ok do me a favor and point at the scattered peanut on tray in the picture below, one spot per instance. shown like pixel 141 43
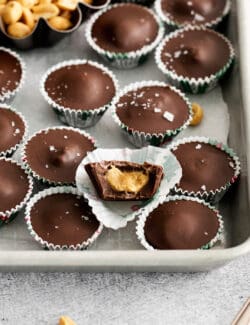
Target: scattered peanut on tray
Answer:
pixel 20 16
pixel 197 114
pixel 65 320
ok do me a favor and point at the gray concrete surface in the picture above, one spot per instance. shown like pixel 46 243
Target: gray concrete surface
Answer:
pixel 212 298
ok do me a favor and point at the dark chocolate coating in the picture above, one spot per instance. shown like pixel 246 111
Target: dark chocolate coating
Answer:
pixel 12 129
pixel 81 86
pixel 55 154
pixel 10 72
pixel 207 166
pixel 181 224
pixel 97 173
pixel 124 29
pixel 136 109
pixel 14 185
pixel 63 219
pixel 196 53
pixel 196 12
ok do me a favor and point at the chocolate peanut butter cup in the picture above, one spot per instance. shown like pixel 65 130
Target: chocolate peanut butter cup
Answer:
pixel 15 190
pixel 151 112
pixel 124 180
pixel 12 72
pixel 194 58
pixel 53 155
pixel 13 130
pixel 60 218
pixel 79 91
pixel 124 34
pixel 209 168
pixel 127 177
pixel 179 13
pixel 180 222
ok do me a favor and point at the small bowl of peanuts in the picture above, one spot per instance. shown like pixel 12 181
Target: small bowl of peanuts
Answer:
pixel 27 24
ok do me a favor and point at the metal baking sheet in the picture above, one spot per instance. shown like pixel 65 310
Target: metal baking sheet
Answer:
pixel 227 112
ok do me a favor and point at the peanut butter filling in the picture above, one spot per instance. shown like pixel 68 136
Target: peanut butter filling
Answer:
pixel 121 181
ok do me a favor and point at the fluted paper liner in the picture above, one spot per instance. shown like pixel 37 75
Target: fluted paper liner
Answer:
pixel 77 117
pixel 115 215
pixel 139 138
pixel 125 60
pixel 41 195
pixel 147 210
pixel 193 85
pixel 216 194
pixel 8 215
pixel 34 173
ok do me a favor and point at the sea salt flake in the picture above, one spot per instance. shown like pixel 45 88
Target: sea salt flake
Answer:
pixel 65 137
pixel 168 116
pixel 13 123
pixel 206 233
pixel 177 54
pixel 198 146
pixel 85 218
pixel 17 131
pixel 157 110
pixel 203 187
pixel 157 95
pixel 231 164
pixel 199 17
pixel 47 166
pixel 52 148
pixel 56 227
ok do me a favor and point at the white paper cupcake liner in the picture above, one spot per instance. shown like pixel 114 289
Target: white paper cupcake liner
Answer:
pixel 193 85
pixel 113 214
pixel 126 60
pixel 8 96
pixel 139 138
pixel 35 174
pixel 9 152
pixel 216 195
pixel 76 117
pixel 9 215
pixel 45 244
pixel 172 25
pixel 147 210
